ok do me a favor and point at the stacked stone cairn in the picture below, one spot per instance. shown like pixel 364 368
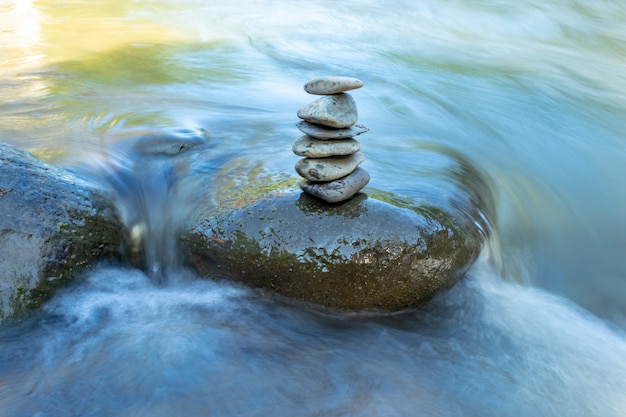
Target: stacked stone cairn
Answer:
pixel 331 154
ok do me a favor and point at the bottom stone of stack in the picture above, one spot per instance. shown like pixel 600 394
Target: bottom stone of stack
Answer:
pixel 338 190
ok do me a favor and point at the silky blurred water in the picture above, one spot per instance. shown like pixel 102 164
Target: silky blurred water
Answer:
pixel 531 93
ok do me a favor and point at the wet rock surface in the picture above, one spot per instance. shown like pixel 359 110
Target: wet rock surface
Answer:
pixel 376 251
pixel 364 253
pixel 53 225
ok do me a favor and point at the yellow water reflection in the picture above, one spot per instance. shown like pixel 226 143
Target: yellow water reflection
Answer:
pixel 60 31
pixel 48 46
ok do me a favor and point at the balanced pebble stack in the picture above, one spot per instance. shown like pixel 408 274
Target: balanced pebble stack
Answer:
pixel 331 154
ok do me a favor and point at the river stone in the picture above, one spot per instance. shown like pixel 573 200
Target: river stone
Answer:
pixel 327 133
pixel 54 224
pixel 378 250
pixel 330 168
pixel 332 85
pixel 363 254
pixel 337 111
pixel 338 190
pixel 165 145
pixel 315 148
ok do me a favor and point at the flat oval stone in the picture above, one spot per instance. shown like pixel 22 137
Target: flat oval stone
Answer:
pixel 338 190
pixel 328 169
pixel 315 148
pixel 338 110
pixel 332 85
pixel 327 133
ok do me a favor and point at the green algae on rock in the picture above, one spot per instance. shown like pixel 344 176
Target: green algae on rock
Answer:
pixel 53 226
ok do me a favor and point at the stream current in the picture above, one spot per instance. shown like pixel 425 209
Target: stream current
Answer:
pixel 532 93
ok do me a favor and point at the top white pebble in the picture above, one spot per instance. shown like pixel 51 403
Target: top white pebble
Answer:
pixel 332 85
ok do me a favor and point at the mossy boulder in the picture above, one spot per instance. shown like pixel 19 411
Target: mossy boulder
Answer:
pixel 372 252
pixel 363 254
pixel 53 225
pixel 381 250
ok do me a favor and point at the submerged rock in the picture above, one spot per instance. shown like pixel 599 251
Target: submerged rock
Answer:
pixel 165 145
pixel 53 225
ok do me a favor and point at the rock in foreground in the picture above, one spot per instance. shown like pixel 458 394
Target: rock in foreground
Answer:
pixel 361 254
pixel 53 225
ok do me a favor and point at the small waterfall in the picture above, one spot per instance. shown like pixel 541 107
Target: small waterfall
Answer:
pixel 155 196
pixel 149 207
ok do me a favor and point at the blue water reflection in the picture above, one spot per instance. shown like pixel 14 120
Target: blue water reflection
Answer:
pixel 531 93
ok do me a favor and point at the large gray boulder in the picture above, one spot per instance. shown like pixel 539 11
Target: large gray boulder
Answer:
pixel 362 254
pixel 375 251
pixel 53 225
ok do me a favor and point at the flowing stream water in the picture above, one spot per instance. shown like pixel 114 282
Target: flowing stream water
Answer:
pixel 533 93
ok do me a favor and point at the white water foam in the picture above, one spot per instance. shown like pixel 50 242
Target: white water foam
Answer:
pixel 121 345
